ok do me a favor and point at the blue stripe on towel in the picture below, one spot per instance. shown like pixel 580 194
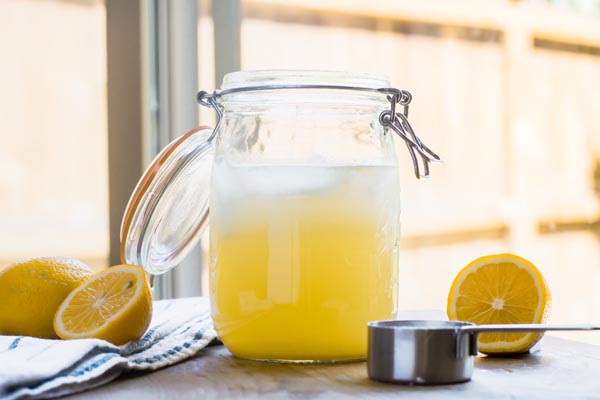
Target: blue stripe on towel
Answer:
pixel 185 330
pixel 77 372
pixel 15 343
pixel 149 339
pixel 197 337
pixel 88 368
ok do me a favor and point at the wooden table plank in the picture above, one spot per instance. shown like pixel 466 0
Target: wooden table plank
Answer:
pixel 561 370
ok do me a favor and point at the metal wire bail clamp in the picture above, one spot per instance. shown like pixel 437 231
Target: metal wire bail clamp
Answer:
pixel 398 122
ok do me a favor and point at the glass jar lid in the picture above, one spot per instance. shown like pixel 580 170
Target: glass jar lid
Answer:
pixel 168 209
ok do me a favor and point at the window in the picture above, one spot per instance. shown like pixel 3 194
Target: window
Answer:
pixel 53 180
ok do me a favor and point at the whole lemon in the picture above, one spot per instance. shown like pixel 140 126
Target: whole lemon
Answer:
pixel 32 290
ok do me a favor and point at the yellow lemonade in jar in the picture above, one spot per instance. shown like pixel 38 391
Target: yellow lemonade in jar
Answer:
pixel 302 257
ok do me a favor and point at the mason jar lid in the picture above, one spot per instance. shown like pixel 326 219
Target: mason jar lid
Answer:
pixel 168 209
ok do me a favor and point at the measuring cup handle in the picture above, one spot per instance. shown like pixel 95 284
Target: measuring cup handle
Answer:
pixel 471 343
pixel 472 331
pixel 525 328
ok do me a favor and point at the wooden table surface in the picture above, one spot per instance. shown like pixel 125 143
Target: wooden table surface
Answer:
pixel 562 369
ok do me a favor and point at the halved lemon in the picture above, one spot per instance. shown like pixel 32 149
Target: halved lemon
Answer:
pixel 501 289
pixel 114 305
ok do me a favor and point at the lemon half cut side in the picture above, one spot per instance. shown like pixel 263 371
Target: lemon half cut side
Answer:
pixel 114 305
pixel 501 289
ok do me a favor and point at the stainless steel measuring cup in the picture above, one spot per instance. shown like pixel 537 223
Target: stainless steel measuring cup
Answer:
pixel 426 352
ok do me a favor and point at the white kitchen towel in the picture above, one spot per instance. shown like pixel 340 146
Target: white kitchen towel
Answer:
pixel 32 368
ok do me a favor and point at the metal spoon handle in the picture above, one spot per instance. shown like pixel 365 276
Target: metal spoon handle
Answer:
pixel 526 328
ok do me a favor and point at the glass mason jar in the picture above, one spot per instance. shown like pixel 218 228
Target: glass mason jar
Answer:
pixel 304 210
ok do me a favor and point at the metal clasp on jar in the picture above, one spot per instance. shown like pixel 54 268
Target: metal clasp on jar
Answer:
pixel 398 122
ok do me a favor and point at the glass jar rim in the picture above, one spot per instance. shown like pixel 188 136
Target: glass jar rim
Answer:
pixel 242 79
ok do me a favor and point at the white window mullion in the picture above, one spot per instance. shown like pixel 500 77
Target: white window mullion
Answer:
pixel 176 60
